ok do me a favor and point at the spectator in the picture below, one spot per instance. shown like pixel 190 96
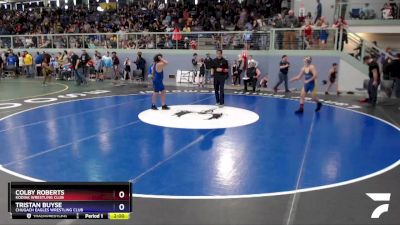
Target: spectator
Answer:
pixel 55 67
pixel 127 69
pixel 341 24
pixel 80 69
pixel 367 12
pixel 74 60
pixel 85 58
pixel 235 73
pixel 141 64
pixel 11 62
pixel 394 71
pixel 208 61
pixel 278 23
pixel 107 64
pixel 252 74
pixel 373 51
pixel 64 59
pixel 318 11
pixel 195 66
pixel 98 66
pixel 202 68
pixel 386 68
pixel 359 49
pixel 38 62
pixel 28 64
pixel 176 35
pixel 115 63
pixel 289 36
pixel 374 79
pixel 284 5
pixel 20 63
pixel 387 11
pixel 308 34
pixel 324 33
pixel 309 18
pixel 395 9
pixel 1 66
pixel 186 29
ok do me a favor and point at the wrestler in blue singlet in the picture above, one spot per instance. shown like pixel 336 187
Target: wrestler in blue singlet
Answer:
pixel 158 80
pixel 310 86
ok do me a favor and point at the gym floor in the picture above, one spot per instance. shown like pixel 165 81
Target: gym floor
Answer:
pixel 257 164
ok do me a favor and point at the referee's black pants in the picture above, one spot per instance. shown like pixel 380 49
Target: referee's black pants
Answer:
pixel 219 82
pixel 372 92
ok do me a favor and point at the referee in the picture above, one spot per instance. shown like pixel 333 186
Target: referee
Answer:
pixel 220 72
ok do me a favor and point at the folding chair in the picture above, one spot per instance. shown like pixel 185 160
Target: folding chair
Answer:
pixel 10 71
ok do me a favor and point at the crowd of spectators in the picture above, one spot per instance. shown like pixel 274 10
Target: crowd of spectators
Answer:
pixel 315 29
pixel 206 16
pixel 370 10
pixel 175 18
pixel 72 65
pixel 229 15
pixel 112 28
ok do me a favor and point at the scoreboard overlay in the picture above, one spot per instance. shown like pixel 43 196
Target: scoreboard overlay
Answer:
pixel 69 200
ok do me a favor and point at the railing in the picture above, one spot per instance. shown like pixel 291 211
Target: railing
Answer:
pixel 359 48
pixel 274 39
pixel 357 10
pixel 144 40
pixel 298 39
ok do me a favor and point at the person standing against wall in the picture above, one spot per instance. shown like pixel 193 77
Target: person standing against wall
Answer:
pixel 195 66
pixel 107 64
pixel 74 58
pixel 38 62
pixel 208 63
pixel 28 63
pixel 140 64
pixel 115 61
pixel 80 70
pixel 85 58
pixel 235 73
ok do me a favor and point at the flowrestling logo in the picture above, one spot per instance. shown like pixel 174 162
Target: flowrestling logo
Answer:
pixel 209 112
pixel 379 197
pixel 199 117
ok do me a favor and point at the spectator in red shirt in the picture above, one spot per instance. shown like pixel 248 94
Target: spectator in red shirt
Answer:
pixel 308 33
